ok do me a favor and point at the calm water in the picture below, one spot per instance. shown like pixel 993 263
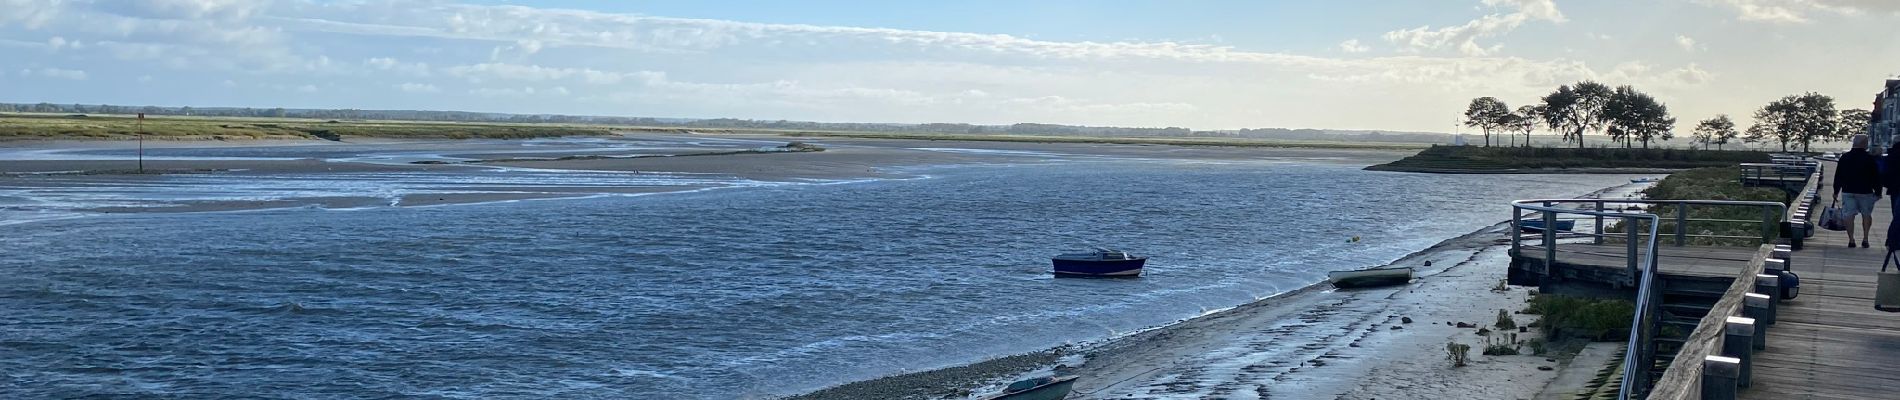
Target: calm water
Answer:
pixel 726 293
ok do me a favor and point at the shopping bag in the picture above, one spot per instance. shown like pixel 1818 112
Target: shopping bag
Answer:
pixel 1831 218
pixel 1887 291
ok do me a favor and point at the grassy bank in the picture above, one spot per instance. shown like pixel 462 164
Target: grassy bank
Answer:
pixel 1711 184
pixel 125 127
pixel 1171 141
pixel 1472 159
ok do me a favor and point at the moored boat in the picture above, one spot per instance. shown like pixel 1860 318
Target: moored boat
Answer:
pixel 1533 225
pixel 1646 179
pixel 1101 262
pixel 1046 388
pixel 1370 277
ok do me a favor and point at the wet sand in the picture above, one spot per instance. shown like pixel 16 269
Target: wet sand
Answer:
pixel 1312 343
pixel 45 165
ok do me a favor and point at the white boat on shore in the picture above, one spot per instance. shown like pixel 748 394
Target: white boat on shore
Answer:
pixel 1370 277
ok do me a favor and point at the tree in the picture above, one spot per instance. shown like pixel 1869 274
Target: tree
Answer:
pixel 1802 119
pixel 1854 122
pixel 1717 131
pixel 1525 121
pixel 1775 121
pixel 1817 119
pixel 1487 113
pixel 1633 116
pixel 1576 110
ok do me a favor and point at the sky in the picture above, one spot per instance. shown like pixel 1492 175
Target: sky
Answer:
pixel 1408 65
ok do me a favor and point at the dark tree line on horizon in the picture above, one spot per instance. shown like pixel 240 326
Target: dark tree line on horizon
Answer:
pixel 729 123
pixel 1629 116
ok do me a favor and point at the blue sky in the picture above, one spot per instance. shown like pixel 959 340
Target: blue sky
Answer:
pixel 1349 64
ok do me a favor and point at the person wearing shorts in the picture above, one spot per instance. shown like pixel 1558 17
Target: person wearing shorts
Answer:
pixel 1857 186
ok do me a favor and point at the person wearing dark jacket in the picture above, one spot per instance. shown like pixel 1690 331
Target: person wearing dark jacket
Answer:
pixel 1890 178
pixel 1857 185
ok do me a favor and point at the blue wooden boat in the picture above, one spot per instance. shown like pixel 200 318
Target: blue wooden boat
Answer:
pixel 1534 225
pixel 1101 262
pixel 1047 388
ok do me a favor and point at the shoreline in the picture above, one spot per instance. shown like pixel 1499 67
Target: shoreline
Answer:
pixel 1113 366
pixel 1528 171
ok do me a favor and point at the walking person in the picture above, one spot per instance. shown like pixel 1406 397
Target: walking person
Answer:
pixel 1857 185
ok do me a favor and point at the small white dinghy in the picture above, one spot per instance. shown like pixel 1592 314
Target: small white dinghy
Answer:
pixel 1370 277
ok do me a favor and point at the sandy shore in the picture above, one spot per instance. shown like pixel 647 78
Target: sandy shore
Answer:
pixel 1311 343
pixel 34 174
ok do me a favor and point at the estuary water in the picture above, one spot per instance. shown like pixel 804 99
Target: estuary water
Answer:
pixel 740 292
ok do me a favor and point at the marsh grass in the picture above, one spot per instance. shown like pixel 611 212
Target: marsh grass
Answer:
pixel 126 127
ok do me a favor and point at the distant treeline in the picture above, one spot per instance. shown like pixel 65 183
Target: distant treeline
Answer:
pixel 1474 159
pixel 731 123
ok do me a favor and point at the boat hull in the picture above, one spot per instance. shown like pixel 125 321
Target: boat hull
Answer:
pixel 1055 390
pixel 1103 268
pixel 1370 277
pixel 1531 225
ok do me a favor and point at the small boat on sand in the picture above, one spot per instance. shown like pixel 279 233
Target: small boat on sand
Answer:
pixel 1370 277
pixel 1646 179
pixel 1533 225
pixel 1101 262
pixel 1046 388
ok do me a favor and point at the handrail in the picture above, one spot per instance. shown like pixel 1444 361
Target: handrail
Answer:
pixel 1638 325
pixel 1681 380
pixel 1635 353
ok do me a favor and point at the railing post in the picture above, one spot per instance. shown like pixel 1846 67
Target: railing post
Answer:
pixel 1598 239
pixel 1517 229
pixel 1755 306
pixel 1738 341
pixel 1767 225
pixel 1786 254
pixel 1682 224
pixel 1550 241
pixel 1718 377
pixel 1769 285
pixel 1630 232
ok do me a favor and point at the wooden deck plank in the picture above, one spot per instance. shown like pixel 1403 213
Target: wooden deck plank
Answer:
pixel 1829 343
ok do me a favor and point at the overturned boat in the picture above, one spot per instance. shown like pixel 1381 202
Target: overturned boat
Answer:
pixel 1045 388
pixel 1370 277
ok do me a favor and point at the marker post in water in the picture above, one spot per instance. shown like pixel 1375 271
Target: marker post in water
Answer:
pixel 141 135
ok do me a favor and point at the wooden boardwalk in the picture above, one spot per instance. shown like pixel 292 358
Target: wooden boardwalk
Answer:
pixel 1703 261
pixel 1829 342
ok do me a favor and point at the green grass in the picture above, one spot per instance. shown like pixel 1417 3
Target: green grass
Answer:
pixel 1171 141
pixel 1722 183
pixel 124 127
pixel 1505 159
pixel 1582 317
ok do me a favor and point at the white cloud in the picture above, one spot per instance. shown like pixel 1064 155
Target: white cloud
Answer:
pixel 1353 46
pixel 391 64
pixel 1464 38
pixel 1687 43
pixel 480 72
pixel 413 87
pixel 56 73
pixel 1801 11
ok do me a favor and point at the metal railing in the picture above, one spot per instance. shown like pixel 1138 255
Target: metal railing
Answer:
pixel 1773 214
pixel 1779 173
pixel 1638 357
pixel 1638 344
